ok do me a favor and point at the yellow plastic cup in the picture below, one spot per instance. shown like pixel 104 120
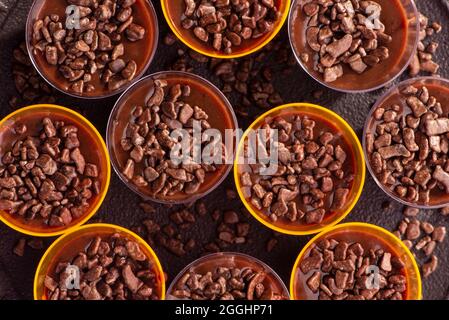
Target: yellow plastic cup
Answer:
pixel 359 171
pixel 203 48
pixel 378 234
pixel 50 110
pixel 51 256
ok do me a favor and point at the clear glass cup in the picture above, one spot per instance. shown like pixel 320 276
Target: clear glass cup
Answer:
pixel 51 74
pixel 231 260
pixel 374 236
pixel 369 127
pixel 173 11
pixel 123 108
pixel 76 240
pixel 374 78
pixel 359 168
pixel 7 125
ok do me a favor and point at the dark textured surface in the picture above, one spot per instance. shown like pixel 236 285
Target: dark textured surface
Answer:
pixel 121 206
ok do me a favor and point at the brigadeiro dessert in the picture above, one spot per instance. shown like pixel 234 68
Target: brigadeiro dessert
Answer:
pixel 406 142
pixel 337 270
pixel 353 45
pixel 227 276
pixel 54 170
pixel 317 175
pixel 99 262
pixel 225 28
pixel 92 48
pixel 355 261
pixel 141 136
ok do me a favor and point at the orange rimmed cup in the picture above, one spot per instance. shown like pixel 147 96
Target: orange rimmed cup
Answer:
pixel 91 142
pixel 372 236
pixel 174 9
pixel 341 127
pixel 79 239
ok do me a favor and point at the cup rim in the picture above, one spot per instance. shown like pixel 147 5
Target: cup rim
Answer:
pixel 227 254
pixel 28 31
pixel 179 35
pixel 112 227
pixel 104 152
pixel 357 150
pixel 377 104
pixel 110 143
pixel 352 91
pixel 355 225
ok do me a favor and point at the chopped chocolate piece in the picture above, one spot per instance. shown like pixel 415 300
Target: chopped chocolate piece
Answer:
pixel 314 281
pixel 439 234
pixel 429 267
pixel 413 232
pixel 410 212
pixel 19 248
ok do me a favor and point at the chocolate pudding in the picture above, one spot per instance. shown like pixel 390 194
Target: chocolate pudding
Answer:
pixel 140 141
pixel 228 276
pixel 113 267
pixel 53 171
pixel 314 179
pixel 407 143
pixel 225 28
pixel 108 49
pixel 352 45
pixel 348 265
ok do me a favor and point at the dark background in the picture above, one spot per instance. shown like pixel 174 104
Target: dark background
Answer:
pixel 121 206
